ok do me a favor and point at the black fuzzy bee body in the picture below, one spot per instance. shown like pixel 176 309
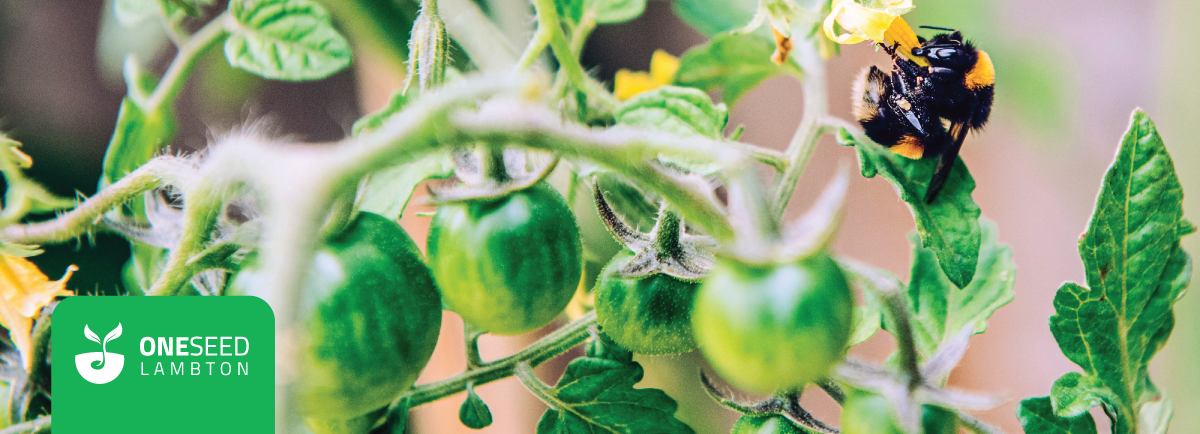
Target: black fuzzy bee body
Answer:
pixel 926 111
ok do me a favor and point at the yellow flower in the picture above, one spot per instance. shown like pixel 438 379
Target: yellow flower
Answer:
pixel 879 22
pixel 24 291
pixel 662 72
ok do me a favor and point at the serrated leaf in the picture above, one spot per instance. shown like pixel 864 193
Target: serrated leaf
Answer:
pixel 617 11
pixel 941 310
pixel 950 225
pixel 1074 394
pixel 285 40
pixel 1136 270
pixel 711 17
pixel 1037 417
pixel 597 396
pixel 736 62
pixel 388 191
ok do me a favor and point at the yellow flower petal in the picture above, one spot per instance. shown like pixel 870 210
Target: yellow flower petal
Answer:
pixel 629 83
pixel 862 23
pixel 663 67
pixel 24 291
pixel 899 32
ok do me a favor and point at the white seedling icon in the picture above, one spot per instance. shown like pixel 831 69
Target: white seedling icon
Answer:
pixel 100 367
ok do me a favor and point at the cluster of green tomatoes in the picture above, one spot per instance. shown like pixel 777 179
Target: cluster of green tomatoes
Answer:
pixel 510 265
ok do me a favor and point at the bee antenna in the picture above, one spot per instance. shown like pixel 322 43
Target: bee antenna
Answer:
pixel 939 28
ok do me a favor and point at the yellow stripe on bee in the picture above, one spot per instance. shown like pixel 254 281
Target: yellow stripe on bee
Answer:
pixel 983 74
pixel 909 147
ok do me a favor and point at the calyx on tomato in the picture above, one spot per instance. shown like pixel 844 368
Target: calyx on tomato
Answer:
pixel 647 315
pixel 507 265
pixel 371 319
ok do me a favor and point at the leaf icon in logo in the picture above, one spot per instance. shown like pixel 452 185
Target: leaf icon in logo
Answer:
pixel 116 333
pixel 90 334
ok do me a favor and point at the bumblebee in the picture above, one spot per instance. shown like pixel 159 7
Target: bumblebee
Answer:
pixel 935 94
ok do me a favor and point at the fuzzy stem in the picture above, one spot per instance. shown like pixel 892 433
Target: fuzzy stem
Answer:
pixel 668 231
pixel 804 141
pixel 171 85
pixel 202 205
pixel 544 349
pixel 155 173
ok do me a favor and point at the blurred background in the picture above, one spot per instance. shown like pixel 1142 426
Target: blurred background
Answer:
pixel 1068 75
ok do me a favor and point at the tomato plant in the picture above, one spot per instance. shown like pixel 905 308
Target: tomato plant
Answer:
pixel 512 143
pixel 371 272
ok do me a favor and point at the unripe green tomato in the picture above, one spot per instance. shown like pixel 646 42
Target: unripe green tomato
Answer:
pixel 357 425
pixel 869 413
pixel 508 265
pixel 371 318
pixel 774 424
pixel 775 326
pixel 651 315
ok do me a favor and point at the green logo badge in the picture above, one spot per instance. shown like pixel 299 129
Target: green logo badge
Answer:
pixel 165 364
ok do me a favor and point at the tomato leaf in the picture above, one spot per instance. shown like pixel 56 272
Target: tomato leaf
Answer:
pixel 940 310
pixel 736 62
pixel 474 413
pixel 1136 270
pixel 680 110
pixel 618 11
pixel 950 225
pixel 711 17
pixel 597 395
pixel 388 191
pixel 285 40
pixel 1037 417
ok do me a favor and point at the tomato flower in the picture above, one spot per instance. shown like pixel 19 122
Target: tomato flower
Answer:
pixel 24 291
pixel 662 72
pixel 874 20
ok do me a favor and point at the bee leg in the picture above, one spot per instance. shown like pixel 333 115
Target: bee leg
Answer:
pixel 958 133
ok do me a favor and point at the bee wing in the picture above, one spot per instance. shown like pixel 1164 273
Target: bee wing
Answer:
pixel 958 133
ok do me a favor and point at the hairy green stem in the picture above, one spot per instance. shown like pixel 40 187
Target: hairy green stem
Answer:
pixel 816 109
pixel 895 303
pixel 203 205
pixel 537 44
pixel 544 349
pixel 171 85
pixel 547 19
pixel 165 170
pixel 28 427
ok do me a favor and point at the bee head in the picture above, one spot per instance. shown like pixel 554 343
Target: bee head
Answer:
pixel 948 50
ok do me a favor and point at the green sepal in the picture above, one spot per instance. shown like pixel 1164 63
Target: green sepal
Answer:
pixel 290 40
pixel 139 135
pixel 950 225
pixel 736 62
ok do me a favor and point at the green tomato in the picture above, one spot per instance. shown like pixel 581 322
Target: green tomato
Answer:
pixel 869 413
pixel 651 315
pixel 508 265
pixel 773 424
pixel 371 319
pixel 776 326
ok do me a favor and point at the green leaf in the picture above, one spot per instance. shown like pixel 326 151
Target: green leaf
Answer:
pixel 285 40
pixel 138 137
pixel 680 110
pixel 736 62
pixel 617 11
pixel 1136 270
pixel 474 413
pixel 941 310
pixel 597 395
pixel 572 10
pixel 950 225
pixel 388 191
pixel 374 120
pixel 711 17
pixel 1074 394
pixel 867 320
pixel 1037 417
